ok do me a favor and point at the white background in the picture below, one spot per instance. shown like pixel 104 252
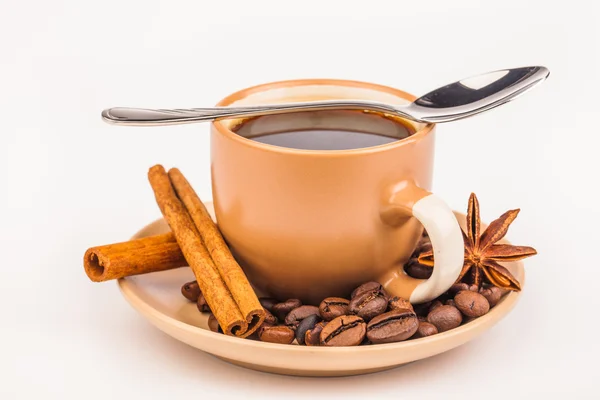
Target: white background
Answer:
pixel 68 181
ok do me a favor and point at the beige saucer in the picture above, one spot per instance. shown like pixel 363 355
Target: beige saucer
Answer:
pixel 158 298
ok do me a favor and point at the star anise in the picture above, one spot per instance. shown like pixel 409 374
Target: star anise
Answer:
pixel 482 254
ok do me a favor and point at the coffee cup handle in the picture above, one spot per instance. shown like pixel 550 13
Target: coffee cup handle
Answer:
pixel 403 201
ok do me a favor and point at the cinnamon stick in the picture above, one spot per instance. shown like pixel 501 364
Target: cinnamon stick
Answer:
pixel 211 284
pixel 140 256
pixel 228 268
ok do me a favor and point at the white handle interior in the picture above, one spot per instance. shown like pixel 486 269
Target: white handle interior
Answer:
pixel 448 247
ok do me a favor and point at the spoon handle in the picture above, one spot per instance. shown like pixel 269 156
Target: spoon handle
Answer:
pixel 149 117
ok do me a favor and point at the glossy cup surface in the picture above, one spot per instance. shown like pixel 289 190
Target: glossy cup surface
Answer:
pixel 306 224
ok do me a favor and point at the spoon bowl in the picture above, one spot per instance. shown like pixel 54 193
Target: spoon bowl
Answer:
pixel 476 94
pixel 458 100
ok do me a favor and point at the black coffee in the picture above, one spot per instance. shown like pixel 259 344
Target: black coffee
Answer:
pixel 325 130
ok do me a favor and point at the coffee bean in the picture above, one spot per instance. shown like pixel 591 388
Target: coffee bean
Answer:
pixel 425 329
pixel 213 324
pixel 262 327
pixel 472 304
pixel 299 313
pixel 269 318
pixel 445 318
pixel 457 287
pixel 493 294
pixel 422 309
pixel 393 326
pixel 277 334
pixel 333 307
pixel 435 305
pixel 312 337
pixel 191 291
pixel 280 310
pixel 397 303
pixel 369 304
pixel 417 270
pixel 367 287
pixel 306 325
pixel 267 302
pixel 202 304
pixel 346 330
pixel 423 246
pixel 444 297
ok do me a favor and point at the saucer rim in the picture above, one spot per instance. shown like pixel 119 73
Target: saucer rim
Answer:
pixel 468 330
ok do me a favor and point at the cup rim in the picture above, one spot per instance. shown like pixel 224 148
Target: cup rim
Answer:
pixel 243 93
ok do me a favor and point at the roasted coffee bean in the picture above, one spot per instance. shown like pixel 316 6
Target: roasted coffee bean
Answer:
pixel 445 318
pixel 191 291
pixel 422 309
pixel 367 287
pixel 425 329
pixel 298 314
pixel 444 297
pixel 397 303
pixel 346 330
pixel 268 302
pixel 423 246
pixel 457 287
pixel 493 294
pixel 202 304
pixel 262 327
pixel 280 310
pixel 313 337
pixel 472 304
pixel 270 318
pixel 417 270
pixel 306 325
pixel 277 334
pixel 393 326
pixel 333 307
pixel 435 305
pixel 369 304
pixel 213 324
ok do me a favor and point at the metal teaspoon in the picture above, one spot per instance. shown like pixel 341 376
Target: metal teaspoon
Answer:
pixel 457 100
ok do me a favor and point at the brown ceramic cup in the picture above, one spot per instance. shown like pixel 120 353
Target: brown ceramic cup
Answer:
pixel 312 224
